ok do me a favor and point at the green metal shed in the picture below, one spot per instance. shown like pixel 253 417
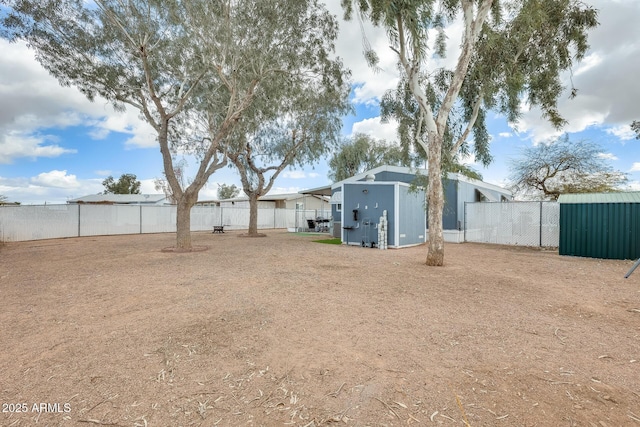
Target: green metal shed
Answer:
pixel 600 225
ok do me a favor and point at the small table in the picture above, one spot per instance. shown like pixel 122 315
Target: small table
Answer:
pixel 218 228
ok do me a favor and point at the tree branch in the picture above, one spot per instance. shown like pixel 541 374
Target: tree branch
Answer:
pixel 470 124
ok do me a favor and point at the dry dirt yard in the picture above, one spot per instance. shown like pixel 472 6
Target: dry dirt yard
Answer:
pixel 278 331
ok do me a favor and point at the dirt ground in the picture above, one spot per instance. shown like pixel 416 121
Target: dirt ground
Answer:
pixel 281 331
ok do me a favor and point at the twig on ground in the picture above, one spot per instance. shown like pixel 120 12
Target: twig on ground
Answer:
pixel 337 392
pixel 558 336
pixel 553 382
pixel 388 407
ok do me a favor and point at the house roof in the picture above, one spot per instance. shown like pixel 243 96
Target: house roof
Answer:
pixel 121 198
pixel 323 191
pixel 622 197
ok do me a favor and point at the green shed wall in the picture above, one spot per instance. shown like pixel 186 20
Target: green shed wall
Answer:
pixel 600 230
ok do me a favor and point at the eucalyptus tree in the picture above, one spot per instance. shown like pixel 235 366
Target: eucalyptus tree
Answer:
pixel 511 51
pixel 298 120
pixel 192 68
pixel 635 127
pixel 227 191
pixel 128 183
pixel 362 152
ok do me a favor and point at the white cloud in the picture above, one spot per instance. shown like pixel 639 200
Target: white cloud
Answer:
pixel 607 156
pixel 633 186
pixel 587 63
pixel 142 135
pixel 505 134
pixel 15 145
pixel 607 86
pixel 375 128
pixel 635 167
pixel 147 186
pixel 56 186
pixel 33 102
pixel 623 132
pixel 285 190
pixel 56 178
pixel 371 84
pixel 468 160
pixel 585 114
pixel 294 174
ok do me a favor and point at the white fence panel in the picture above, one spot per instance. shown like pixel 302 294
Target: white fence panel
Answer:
pixel 514 223
pixel 203 218
pixel 235 218
pixel 266 218
pixel 285 218
pixel 159 219
pixel 19 223
pixel 100 220
pixel 550 221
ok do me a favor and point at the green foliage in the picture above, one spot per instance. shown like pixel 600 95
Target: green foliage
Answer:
pixel 227 191
pixel 547 170
pixel 127 184
pixel 635 126
pixel 362 153
pixel 523 55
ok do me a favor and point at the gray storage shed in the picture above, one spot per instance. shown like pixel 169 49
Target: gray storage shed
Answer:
pixel 387 188
pixel 600 225
pixel 364 203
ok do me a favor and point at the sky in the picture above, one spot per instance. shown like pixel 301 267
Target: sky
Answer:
pixel 55 145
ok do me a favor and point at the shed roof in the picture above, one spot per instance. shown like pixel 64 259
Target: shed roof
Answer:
pixel 622 197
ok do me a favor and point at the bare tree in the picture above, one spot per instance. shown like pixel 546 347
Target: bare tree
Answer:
pixel 546 171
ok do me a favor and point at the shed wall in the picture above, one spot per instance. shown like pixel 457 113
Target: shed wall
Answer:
pixel 452 209
pixel 600 230
pixel 369 204
pixel 412 221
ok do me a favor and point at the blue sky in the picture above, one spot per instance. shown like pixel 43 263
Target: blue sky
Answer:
pixel 56 145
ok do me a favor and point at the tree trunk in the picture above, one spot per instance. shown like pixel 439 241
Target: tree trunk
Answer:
pixel 253 215
pixel 435 254
pixel 183 224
